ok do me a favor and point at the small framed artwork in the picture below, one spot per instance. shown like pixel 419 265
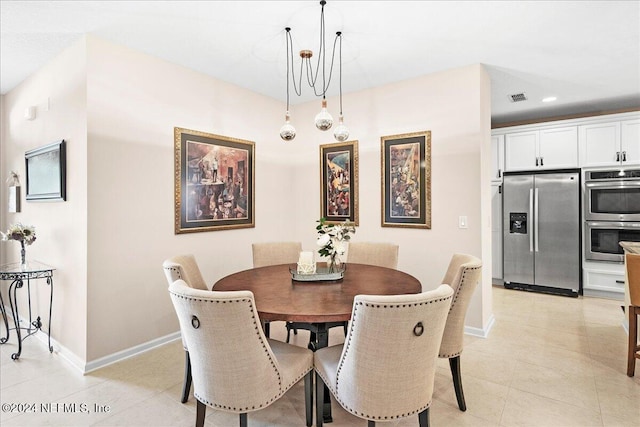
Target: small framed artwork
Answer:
pixel 406 180
pixel 339 182
pixel 46 172
pixel 214 182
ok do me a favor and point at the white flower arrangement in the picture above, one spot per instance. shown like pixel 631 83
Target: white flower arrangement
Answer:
pixel 333 238
pixel 25 234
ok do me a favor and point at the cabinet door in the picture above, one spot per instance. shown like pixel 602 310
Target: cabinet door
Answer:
pixel 630 141
pixel 496 231
pixel 497 157
pixel 521 150
pixel 558 148
pixel 599 144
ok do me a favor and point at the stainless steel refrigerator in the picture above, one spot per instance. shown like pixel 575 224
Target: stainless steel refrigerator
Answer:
pixel 541 231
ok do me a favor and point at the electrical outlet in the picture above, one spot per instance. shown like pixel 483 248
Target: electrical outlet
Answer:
pixel 462 221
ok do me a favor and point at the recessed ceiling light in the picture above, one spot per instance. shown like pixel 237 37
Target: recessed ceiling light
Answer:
pixel 549 99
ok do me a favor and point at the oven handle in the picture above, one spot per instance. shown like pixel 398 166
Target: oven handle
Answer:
pixel 537 223
pixel 531 213
pixel 613 184
pixel 615 225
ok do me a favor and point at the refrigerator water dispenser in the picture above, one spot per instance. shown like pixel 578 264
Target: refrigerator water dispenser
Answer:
pixel 518 223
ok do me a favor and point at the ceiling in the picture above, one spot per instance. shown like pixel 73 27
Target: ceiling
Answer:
pixel 585 53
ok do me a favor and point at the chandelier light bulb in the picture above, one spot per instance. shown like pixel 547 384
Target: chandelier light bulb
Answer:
pixel 341 132
pixel 323 120
pixel 287 131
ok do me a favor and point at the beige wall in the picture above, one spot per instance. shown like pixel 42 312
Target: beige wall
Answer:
pixel 132 103
pixel 61 227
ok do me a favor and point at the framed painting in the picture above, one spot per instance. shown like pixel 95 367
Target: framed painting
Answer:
pixel 406 180
pixel 339 182
pixel 214 182
pixel 46 172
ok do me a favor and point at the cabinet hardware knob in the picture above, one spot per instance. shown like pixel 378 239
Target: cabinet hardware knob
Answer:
pixel 617 156
pixel 624 156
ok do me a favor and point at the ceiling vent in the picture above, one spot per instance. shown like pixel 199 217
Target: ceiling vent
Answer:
pixel 517 97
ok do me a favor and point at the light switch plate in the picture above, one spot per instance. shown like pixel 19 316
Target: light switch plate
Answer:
pixel 462 221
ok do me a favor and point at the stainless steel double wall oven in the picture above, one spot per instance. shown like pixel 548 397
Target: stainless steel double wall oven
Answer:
pixel 611 212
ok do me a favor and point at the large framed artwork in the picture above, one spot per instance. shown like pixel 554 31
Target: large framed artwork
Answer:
pixel 406 180
pixel 339 182
pixel 46 172
pixel 214 182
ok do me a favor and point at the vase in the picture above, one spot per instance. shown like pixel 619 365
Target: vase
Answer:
pixel 334 263
pixel 23 254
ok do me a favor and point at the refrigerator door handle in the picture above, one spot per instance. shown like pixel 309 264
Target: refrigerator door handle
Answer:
pixel 535 219
pixel 530 212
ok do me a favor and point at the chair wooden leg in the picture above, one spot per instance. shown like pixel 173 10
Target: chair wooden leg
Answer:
pixel 267 329
pixel 243 420
pixel 423 418
pixel 308 397
pixel 454 364
pixel 201 410
pixel 371 423
pixel 319 400
pixel 186 386
pixel 633 341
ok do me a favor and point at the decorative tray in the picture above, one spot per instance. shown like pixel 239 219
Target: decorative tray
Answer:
pixel 322 274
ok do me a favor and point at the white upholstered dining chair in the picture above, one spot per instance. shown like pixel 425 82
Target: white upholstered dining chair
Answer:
pixel 373 253
pixel 186 268
pixel 275 253
pixel 236 368
pixel 369 253
pixel 463 274
pixel 386 368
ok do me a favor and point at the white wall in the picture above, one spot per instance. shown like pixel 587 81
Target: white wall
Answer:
pixel 133 101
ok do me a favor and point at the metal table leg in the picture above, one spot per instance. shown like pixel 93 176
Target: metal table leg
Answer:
pixel 322 341
pixel 4 318
pixel 14 311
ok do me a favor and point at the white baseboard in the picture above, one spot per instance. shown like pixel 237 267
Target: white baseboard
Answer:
pixel 84 367
pixel 130 352
pixel 480 332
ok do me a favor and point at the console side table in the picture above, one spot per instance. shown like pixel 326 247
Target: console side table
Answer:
pixel 18 275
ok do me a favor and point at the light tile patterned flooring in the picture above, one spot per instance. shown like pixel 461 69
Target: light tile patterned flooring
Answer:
pixel 549 361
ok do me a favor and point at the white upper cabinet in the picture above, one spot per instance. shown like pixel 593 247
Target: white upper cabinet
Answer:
pixel 497 157
pixel 630 141
pixel 610 144
pixel 553 148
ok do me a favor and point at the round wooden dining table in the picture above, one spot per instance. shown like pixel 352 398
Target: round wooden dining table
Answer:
pixel 279 297
pixel 322 304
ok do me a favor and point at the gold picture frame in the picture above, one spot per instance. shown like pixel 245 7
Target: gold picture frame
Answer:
pixel 214 182
pixel 406 180
pixel 339 182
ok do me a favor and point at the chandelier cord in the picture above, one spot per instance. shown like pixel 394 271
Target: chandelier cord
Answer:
pixel 297 89
pixel 338 35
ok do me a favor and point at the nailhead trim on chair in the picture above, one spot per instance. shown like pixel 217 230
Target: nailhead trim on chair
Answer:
pixel 273 364
pixel 346 350
pixel 455 298
pixel 176 270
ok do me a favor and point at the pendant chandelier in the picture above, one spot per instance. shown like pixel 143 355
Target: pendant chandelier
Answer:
pixel 323 119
